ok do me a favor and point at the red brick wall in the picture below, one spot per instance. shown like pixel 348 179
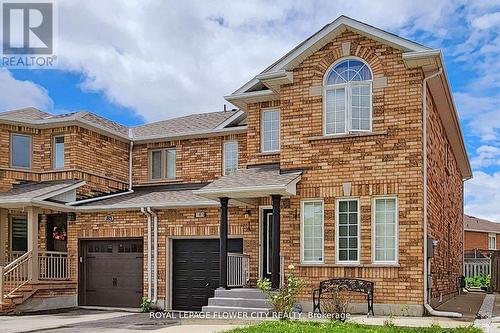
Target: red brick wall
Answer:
pixel 444 207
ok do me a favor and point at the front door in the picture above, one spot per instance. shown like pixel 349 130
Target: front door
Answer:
pixel 57 233
pixel 267 236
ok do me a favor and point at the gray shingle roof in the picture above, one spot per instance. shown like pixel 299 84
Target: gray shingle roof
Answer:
pixel 188 125
pixel 474 223
pixel 159 197
pixel 191 124
pixel 25 192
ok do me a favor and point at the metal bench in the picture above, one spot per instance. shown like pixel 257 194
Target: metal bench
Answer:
pixel 343 284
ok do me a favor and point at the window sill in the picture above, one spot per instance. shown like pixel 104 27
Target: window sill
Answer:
pixel 349 265
pixel 270 153
pixel 346 136
pixel 164 181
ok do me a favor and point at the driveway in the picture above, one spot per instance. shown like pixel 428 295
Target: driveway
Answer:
pixel 91 321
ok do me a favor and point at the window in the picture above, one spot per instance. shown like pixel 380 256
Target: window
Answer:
pixel 348 98
pixel 162 164
pixel 270 130
pixel 385 225
pixel 230 157
pixel 58 152
pixel 20 151
pixel 312 231
pixel 19 233
pixel 347 242
pixel 492 241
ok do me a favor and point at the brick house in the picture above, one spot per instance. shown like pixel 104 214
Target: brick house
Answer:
pixel 345 159
pixel 480 234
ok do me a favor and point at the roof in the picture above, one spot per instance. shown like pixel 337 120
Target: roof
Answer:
pixel 324 36
pixel 472 223
pixel 252 182
pixel 168 196
pixel 29 192
pixel 196 124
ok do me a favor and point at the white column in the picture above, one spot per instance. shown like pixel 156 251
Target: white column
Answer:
pixel 33 242
pixel 4 230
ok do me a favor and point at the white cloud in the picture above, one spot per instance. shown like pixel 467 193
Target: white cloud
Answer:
pixel 481 115
pixel 483 195
pixel 165 58
pixel 16 94
pixel 486 156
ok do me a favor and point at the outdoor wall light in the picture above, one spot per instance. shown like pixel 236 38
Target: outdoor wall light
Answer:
pixel 248 213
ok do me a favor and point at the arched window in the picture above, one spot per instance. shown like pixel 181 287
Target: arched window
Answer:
pixel 347 98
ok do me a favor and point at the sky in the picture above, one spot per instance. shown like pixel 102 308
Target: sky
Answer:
pixel 142 61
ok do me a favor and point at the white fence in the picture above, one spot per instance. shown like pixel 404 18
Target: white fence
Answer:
pixel 238 269
pixel 53 265
pixel 475 267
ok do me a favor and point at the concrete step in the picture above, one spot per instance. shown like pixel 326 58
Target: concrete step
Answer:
pixel 234 309
pixel 240 293
pixel 239 302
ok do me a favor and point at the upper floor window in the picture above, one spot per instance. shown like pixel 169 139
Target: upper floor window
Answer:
pixel 492 241
pixel 58 152
pixel 20 151
pixel 162 164
pixel 230 157
pixel 348 98
pixel 270 129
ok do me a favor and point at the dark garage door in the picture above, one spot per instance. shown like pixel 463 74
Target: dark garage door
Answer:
pixel 112 272
pixel 196 271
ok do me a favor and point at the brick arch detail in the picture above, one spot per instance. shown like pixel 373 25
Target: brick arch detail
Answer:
pixel 365 53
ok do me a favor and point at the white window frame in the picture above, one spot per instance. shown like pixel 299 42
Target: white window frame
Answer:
pixel 348 102
pixel 224 155
pixel 262 130
pixel 54 152
pixel 337 224
pixel 396 256
pixel 163 165
pixel 302 215
pixel 12 151
pixel 490 237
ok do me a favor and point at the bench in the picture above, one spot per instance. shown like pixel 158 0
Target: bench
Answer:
pixel 343 284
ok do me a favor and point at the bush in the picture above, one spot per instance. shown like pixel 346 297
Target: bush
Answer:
pixel 478 281
pixel 146 305
pixel 335 302
pixel 284 299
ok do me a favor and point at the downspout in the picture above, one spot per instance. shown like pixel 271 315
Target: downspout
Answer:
pixel 130 164
pixel 155 254
pixel 427 269
pixel 147 211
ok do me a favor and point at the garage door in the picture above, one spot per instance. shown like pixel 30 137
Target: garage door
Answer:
pixel 196 271
pixel 112 272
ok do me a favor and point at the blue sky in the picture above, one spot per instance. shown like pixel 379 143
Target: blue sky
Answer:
pixel 165 59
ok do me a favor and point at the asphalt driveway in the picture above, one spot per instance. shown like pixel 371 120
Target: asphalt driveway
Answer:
pixel 83 320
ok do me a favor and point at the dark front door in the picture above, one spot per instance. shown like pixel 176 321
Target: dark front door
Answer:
pixel 267 236
pixel 112 273
pixel 57 233
pixel 195 269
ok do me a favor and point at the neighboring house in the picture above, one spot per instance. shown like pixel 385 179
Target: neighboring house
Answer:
pixel 345 159
pixel 481 234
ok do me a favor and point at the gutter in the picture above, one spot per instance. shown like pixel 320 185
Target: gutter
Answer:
pixel 427 262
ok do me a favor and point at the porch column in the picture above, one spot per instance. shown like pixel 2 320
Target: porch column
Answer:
pixel 33 242
pixel 223 243
pixel 275 268
pixel 3 236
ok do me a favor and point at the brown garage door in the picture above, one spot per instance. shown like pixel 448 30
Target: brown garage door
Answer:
pixel 111 272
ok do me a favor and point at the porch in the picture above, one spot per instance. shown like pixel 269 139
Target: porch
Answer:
pixel 33 239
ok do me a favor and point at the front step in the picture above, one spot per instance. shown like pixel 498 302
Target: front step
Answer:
pixel 241 300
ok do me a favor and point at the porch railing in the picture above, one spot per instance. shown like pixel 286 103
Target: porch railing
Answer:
pixel 238 269
pixel 13 255
pixel 282 270
pixel 15 275
pixel 54 265
pixel 475 267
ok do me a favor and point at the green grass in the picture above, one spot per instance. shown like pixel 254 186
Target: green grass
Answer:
pixel 338 327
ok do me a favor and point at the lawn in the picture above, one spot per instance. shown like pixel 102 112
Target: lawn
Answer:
pixel 337 327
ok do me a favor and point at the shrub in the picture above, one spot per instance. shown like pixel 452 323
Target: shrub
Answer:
pixel 146 305
pixel 335 303
pixel 283 299
pixel 478 281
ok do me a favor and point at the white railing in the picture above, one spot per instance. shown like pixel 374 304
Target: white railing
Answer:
pixel 13 255
pixel 475 267
pixel 53 265
pixel 238 269
pixel 282 271
pixel 15 275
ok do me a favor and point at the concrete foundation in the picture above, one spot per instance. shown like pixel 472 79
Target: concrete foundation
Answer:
pixel 47 303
